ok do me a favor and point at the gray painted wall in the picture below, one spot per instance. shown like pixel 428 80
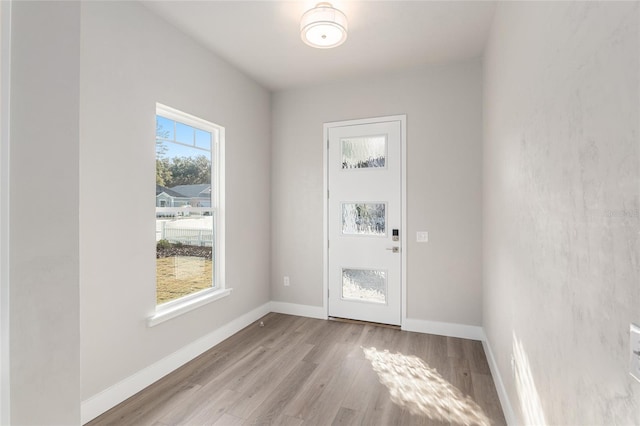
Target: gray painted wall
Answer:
pixel 561 174
pixel 444 119
pixel 129 60
pixel 5 86
pixel 43 203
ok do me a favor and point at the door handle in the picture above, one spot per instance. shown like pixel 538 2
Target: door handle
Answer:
pixel 394 249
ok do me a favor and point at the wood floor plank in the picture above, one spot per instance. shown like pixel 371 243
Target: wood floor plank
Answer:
pixel 344 417
pixel 380 338
pixel 361 390
pixel 323 409
pixel 487 398
pixel 201 369
pixel 234 370
pixel 357 343
pixel 284 420
pixel 474 353
pixel 263 386
pixel 296 371
pixel 212 408
pixel 228 420
pixel 173 411
pixel 287 333
pixel 316 384
pixel 276 402
pixel 459 375
pixel 454 347
pixel 280 352
pixel 352 334
pixel 417 345
pixel 324 340
pixel 407 418
pixel 436 355
pixel 377 409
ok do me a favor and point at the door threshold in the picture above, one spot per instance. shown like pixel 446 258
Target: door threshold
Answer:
pixel 375 324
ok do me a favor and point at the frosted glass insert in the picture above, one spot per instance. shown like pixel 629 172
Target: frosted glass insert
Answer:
pixel 364 152
pixel 363 219
pixel 366 285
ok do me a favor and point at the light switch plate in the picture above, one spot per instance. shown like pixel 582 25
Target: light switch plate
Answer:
pixel 422 236
pixel 634 353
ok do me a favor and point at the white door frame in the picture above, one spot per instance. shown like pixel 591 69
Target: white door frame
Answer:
pixel 325 211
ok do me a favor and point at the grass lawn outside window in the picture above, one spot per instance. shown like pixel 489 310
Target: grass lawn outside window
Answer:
pixel 182 270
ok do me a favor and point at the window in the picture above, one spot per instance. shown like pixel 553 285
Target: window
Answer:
pixel 189 214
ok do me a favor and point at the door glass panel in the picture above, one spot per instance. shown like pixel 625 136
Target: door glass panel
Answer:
pixel 366 285
pixel 364 152
pixel 363 219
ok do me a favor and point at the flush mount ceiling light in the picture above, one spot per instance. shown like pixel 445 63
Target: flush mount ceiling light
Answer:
pixel 323 26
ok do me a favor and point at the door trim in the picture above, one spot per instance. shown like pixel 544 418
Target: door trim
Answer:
pixel 402 118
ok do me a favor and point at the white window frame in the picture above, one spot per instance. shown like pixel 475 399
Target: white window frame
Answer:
pixel 174 308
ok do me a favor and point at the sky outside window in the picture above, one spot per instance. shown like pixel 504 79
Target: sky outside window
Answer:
pixel 191 142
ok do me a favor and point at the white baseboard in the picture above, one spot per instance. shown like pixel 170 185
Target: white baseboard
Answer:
pixel 110 397
pixel 462 331
pixel 299 310
pixel 507 409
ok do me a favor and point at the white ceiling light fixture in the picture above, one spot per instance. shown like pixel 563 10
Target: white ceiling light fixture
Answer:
pixel 323 26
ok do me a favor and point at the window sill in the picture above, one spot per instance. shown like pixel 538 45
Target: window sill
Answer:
pixel 174 310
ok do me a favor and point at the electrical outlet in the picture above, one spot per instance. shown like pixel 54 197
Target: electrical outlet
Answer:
pixel 286 281
pixel 634 353
pixel 422 236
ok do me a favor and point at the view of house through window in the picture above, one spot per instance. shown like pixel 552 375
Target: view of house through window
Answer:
pixel 186 205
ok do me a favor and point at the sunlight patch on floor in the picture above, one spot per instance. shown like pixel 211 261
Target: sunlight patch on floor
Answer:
pixel 422 390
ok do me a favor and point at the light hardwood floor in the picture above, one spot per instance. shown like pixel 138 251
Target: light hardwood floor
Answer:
pixel 302 371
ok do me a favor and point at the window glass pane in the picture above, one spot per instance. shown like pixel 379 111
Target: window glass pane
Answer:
pixel 364 152
pixel 164 128
pixel 183 266
pixel 189 155
pixel 363 219
pixel 184 133
pixel 185 232
pixel 366 285
pixel 203 139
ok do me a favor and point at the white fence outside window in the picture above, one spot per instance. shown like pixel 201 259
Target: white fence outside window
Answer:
pixel 186 225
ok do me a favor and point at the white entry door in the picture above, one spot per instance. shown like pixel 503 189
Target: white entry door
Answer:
pixel 365 220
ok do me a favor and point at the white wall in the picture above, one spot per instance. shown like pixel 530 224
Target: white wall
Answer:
pixel 444 119
pixel 131 59
pixel 43 203
pixel 5 71
pixel 561 207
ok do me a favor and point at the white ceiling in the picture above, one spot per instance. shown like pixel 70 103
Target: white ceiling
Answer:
pixel 262 38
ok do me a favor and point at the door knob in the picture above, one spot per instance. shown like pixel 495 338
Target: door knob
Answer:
pixel 394 249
